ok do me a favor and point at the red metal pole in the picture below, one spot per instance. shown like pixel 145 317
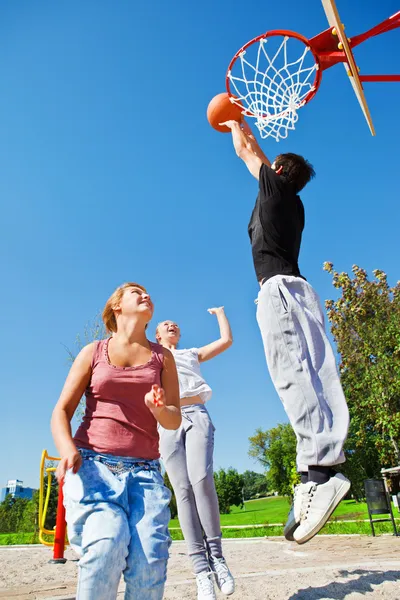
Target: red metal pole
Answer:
pixel 379 77
pixel 59 538
pixel 392 22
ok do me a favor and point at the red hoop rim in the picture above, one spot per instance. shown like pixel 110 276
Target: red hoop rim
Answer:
pixel 282 33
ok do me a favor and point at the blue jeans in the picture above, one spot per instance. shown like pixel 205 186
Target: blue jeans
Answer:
pixel 117 515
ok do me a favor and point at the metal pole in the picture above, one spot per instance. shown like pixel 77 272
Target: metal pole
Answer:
pixel 378 78
pixel 59 538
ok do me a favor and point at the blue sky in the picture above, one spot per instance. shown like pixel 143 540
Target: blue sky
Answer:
pixel 110 172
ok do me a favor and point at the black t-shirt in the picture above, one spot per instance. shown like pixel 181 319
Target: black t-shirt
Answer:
pixel 276 226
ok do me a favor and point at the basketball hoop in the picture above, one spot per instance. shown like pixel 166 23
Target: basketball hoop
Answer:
pixel 277 73
pixel 273 76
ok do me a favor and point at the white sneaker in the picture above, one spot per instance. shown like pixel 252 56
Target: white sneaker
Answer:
pixel 205 586
pixel 223 576
pixel 318 503
pixel 293 520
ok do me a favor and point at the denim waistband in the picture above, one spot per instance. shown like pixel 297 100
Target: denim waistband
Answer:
pixel 120 464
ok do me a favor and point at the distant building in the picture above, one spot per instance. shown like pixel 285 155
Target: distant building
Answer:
pixel 16 489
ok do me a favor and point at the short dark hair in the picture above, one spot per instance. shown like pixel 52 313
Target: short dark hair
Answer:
pixel 295 169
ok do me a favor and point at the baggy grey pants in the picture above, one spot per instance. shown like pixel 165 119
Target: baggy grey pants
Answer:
pixel 303 369
pixel 187 454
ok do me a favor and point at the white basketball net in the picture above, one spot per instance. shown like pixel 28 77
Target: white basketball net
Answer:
pixel 272 87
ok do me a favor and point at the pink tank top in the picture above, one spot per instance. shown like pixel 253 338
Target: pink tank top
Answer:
pixel 117 420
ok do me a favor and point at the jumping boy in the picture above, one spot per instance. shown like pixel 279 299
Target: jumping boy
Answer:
pixel 299 356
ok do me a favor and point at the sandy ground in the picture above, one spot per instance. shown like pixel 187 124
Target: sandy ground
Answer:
pixel 327 568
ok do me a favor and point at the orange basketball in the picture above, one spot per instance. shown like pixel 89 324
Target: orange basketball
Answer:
pixel 221 109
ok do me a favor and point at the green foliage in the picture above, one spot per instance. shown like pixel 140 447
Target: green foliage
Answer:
pixel 365 322
pixel 254 485
pixel 16 514
pixel 362 461
pixel 229 486
pixel 294 476
pixel 12 539
pixel 172 504
pixel 275 449
pixel 21 514
pixel 29 521
pixel 11 512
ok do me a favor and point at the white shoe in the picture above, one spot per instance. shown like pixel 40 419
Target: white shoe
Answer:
pixel 205 586
pixel 293 520
pixel 318 503
pixel 223 576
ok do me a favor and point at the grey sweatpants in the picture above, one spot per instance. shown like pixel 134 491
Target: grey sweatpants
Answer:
pixel 187 454
pixel 303 369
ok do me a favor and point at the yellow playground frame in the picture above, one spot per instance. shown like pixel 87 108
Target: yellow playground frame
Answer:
pixel 43 506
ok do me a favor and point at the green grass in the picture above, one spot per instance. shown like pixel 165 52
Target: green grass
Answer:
pixel 262 512
pixel 14 539
pixel 275 510
pixel 338 528
pixel 257 512
pixel 350 509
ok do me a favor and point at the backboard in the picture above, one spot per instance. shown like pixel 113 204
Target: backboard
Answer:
pixel 350 66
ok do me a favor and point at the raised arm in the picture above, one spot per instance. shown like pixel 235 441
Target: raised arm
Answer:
pixel 225 340
pixel 246 147
pixel 73 390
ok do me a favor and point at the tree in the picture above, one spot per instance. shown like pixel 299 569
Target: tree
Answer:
pixel 254 485
pixel 362 462
pixel 365 322
pixel 29 521
pixel 21 514
pixel 229 486
pixel 7 521
pixel 275 450
pixel 12 514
